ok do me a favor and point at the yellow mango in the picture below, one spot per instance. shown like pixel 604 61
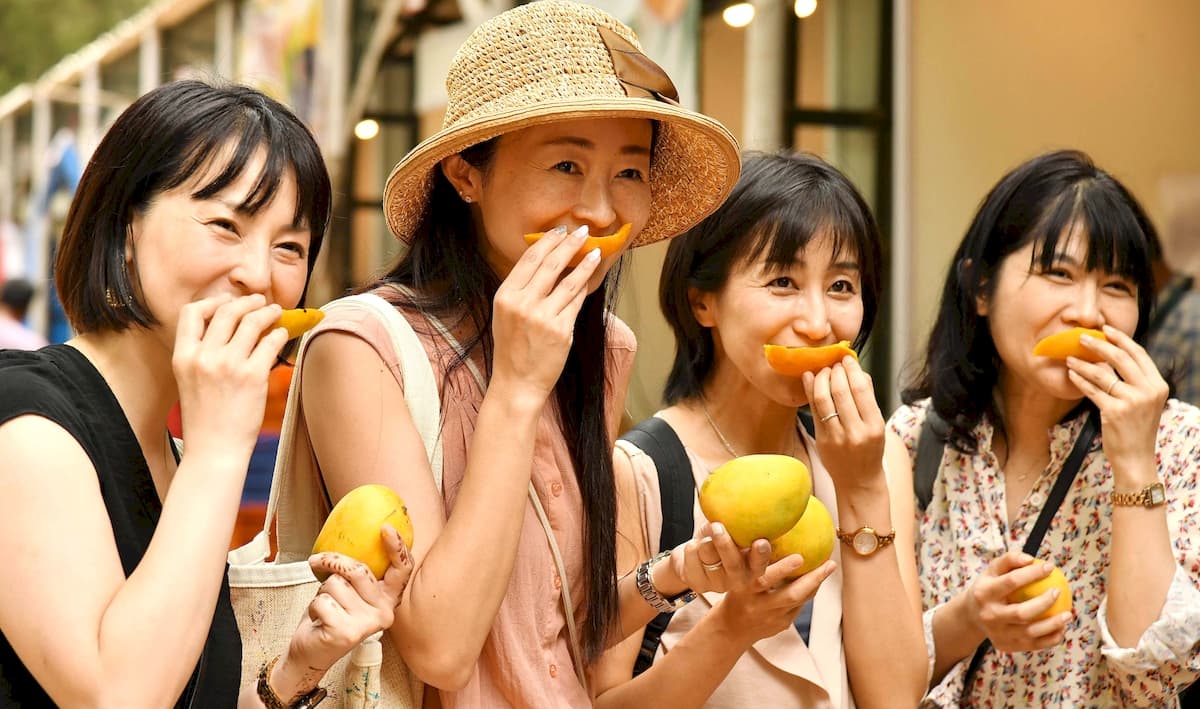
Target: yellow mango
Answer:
pixel 1065 344
pixel 756 496
pixel 795 361
pixel 812 537
pixel 608 245
pixel 299 321
pixel 354 524
pixel 1056 579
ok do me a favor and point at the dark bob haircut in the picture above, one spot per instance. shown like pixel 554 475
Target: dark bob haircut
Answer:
pixel 1042 201
pixel 165 138
pixel 780 204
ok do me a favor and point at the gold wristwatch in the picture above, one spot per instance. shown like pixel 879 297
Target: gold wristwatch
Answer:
pixel 1152 495
pixel 865 541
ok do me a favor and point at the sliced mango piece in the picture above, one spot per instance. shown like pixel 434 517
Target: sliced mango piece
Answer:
pixel 1065 344
pixel 795 361
pixel 608 245
pixel 299 321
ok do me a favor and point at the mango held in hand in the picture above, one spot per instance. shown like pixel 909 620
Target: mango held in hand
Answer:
pixel 813 538
pixel 299 321
pixel 795 361
pixel 354 525
pixel 1056 579
pixel 756 496
pixel 608 245
pixel 1065 344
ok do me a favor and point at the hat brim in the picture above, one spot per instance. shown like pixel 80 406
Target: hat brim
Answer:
pixel 694 167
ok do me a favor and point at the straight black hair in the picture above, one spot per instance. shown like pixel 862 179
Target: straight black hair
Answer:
pixel 162 140
pixel 449 278
pixel 1043 201
pixel 780 203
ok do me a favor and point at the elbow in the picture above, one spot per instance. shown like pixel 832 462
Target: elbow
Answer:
pixel 448 672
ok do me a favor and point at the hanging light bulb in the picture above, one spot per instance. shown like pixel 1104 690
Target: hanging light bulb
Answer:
pixel 804 8
pixel 738 15
pixel 366 129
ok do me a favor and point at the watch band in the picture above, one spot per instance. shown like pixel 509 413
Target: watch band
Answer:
pixel 1152 495
pixel 272 700
pixel 657 601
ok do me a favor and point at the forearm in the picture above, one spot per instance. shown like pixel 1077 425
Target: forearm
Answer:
pixel 634 610
pixel 688 674
pixel 873 597
pixel 955 637
pixel 1141 562
pixel 169 599
pixel 465 573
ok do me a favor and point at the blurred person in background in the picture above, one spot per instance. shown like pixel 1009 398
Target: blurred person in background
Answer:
pixel 15 295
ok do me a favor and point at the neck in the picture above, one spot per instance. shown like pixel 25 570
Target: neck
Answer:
pixel 1028 414
pixel 750 422
pixel 136 365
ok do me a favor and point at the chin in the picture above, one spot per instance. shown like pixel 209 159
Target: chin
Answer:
pixel 1056 385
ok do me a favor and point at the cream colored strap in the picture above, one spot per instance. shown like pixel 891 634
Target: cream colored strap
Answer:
pixel 564 587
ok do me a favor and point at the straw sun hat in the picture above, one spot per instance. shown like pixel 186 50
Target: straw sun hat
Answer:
pixel 553 60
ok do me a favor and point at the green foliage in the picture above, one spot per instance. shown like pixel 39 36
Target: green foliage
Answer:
pixel 38 33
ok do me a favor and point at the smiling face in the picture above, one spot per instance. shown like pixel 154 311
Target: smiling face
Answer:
pixel 186 248
pixel 815 300
pixel 593 173
pixel 1030 301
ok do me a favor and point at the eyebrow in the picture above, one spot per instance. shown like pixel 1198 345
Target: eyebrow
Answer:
pixel 589 145
pixel 838 266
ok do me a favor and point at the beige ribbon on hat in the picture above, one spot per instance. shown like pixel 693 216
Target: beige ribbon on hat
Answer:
pixel 638 74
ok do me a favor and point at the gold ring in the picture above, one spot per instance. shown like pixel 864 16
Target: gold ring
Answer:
pixel 830 416
pixel 711 567
pixel 1108 391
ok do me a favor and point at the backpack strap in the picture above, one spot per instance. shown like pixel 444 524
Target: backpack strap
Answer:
pixel 931 444
pixel 676 486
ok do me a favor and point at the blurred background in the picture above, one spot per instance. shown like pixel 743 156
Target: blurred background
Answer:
pixel 923 103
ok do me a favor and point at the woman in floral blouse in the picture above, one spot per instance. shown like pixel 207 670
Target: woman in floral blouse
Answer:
pixel 1057 244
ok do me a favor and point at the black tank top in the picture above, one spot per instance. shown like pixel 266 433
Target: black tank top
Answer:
pixel 60 384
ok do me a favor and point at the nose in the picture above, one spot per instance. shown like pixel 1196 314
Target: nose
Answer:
pixel 811 319
pixel 1084 309
pixel 595 205
pixel 252 272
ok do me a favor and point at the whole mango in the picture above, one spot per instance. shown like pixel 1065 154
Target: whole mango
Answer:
pixel 354 524
pixel 756 496
pixel 1056 579
pixel 813 538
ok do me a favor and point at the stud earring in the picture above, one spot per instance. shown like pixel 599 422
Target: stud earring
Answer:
pixel 466 198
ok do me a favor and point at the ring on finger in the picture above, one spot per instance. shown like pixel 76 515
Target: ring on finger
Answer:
pixel 828 417
pixel 1115 380
pixel 711 567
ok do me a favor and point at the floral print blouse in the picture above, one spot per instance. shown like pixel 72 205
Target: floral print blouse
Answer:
pixel 966 525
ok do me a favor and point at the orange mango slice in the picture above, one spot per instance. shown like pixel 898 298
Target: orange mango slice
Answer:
pixel 1065 344
pixel 299 321
pixel 608 245
pixel 795 361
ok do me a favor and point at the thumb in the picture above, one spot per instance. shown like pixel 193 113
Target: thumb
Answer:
pixel 400 564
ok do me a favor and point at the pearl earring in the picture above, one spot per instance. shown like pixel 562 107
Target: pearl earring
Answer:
pixel 466 198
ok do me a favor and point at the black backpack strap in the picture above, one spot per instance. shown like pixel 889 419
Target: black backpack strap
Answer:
pixel 806 420
pixel 931 444
pixel 676 487
pixel 1058 493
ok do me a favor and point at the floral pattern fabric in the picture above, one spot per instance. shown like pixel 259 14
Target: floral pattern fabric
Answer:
pixel 966 525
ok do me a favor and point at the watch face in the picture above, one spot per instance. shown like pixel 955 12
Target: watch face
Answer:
pixel 865 542
pixel 1157 495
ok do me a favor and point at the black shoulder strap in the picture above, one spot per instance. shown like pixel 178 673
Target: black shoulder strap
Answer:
pixel 1057 494
pixel 676 486
pixel 931 444
pixel 806 420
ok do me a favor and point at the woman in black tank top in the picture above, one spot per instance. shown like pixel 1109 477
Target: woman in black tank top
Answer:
pixel 199 216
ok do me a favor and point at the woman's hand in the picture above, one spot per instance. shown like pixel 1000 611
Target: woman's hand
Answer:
pixel 850 428
pixel 712 561
pixel 1014 627
pixel 534 311
pixel 350 606
pixel 224 350
pixel 1130 393
pixel 769 605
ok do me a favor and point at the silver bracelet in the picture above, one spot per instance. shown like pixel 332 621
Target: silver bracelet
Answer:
pixel 657 601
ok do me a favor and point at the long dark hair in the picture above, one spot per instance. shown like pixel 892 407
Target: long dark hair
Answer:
pixel 450 279
pixel 780 203
pixel 1040 201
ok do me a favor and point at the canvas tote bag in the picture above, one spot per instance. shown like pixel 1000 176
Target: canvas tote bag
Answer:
pixel 270 597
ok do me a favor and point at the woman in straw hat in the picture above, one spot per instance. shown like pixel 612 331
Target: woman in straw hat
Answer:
pixel 556 124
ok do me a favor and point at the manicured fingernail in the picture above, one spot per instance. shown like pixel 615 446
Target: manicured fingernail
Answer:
pixel 593 255
pixel 558 231
pixel 718 529
pixel 580 234
pixel 1055 593
pixel 762 545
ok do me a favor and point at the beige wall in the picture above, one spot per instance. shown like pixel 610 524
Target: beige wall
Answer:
pixel 994 83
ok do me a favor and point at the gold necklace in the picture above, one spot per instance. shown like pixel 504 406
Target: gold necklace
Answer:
pixel 725 441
